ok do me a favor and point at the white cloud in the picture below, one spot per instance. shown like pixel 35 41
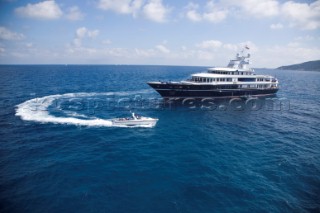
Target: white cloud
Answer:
pixel 210 44
pixel 276 26
pixel 216 12
pixel 6 34
pixel 106 42
pixel 213 13
pixel 184 48
pixel 294 53
pixel 257 8
pixel 152 9
pixel 29 45
pixel 303 15
pixel 194 15
pixel 93 33
pixel 42 10
pixel 74 14
pixel 232 47
pixel 121 6
pixel 307 38
pixel 156 11
pixel 162 49
pixel 144 53
pixel 205 55
pixel 294 44
pixel 82 33
pixel 201 54
pixel 192 12
pixel 217 52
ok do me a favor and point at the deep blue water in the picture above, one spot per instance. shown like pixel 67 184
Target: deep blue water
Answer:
pixel 223 159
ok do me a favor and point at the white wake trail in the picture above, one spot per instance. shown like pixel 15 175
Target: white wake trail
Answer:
pixel 37 110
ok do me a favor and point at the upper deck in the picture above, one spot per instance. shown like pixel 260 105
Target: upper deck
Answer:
pixel 240 64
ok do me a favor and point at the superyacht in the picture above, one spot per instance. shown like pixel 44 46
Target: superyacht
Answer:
pixel 235 80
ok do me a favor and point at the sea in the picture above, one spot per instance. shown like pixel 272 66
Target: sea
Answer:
pixel 60 152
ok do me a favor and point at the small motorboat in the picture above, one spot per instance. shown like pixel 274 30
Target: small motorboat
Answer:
pixel 135 120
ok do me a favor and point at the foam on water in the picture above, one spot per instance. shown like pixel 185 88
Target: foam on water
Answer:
pixel 37 110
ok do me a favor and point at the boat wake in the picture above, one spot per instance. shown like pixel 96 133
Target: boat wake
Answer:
pixel 38 110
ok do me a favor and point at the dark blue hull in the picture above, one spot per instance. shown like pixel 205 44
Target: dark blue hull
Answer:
pixel 168 90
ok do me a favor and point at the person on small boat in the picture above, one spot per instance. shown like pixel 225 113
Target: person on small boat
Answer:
pixel 134 116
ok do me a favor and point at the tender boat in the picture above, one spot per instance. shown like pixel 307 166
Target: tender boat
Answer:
pixel 235 80
pixel 135 120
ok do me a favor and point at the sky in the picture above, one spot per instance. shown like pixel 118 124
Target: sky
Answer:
pixel 159 32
